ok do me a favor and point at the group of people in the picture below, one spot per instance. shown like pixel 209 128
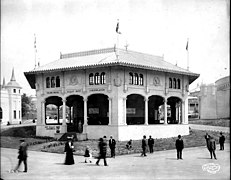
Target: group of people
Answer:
pixel 69 149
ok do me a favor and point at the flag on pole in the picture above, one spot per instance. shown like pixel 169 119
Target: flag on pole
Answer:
pixel 117 28
pixel 35 43
pixel 187 46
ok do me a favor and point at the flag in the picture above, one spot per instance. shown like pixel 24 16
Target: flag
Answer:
pixel 117 28
pixel 187 46
pixel 35 43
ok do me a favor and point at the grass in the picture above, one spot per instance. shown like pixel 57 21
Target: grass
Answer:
pixel 213 122
pixel 10 139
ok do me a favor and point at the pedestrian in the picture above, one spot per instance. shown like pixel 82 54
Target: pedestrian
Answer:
pixel 69 149
pixel 150 144
pixel 112 144
pixel 222 141
pixel 129 145
pixel 179 147
pixel 212 147
pixel 207 139
pixel 144 146
pixel 102 151
pixel 88 155
pixel 22 155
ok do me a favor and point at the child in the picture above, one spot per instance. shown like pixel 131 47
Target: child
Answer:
pixel 87 155
pixel 129 145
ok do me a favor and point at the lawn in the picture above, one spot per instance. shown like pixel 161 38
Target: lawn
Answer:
pixel 213 122
pixel 10 139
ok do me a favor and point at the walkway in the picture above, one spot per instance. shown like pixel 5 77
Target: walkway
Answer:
pixel 210 128
pixel 160 165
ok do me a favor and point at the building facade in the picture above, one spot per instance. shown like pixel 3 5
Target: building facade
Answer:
pixel 111 92
pixel 10 105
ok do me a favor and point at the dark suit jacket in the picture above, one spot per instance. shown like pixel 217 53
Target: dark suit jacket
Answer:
pixel 22 151
pixel 179 144
pixel 112 143
pixel 150 141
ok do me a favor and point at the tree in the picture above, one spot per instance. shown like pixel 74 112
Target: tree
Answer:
pixel 26 104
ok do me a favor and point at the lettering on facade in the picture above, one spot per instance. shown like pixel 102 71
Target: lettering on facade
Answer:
pixel 73 91
pixel 92 90
pixel 50 127
pixel 53 92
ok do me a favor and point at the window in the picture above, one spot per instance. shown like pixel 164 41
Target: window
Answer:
pixel 136 79
pixel 14 114
pixel 103 78
pixel 130 78
pixel 14 90
pixel 97 78
pixel 0 113
pixel 174 83
pixel 170 82
pixel 52 82
pixel 57 81
pixel 48 82
pixel 141 82
pixel 178 83
pixel 19 114
pixel 91 79
pixel 19 91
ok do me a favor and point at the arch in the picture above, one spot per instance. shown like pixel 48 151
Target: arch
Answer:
pixel 98 109
pixel 103 78
pixel 130 78
pixel 53 110
pixel 174 110
pixel 136 79
pixel 135 109
pixel 170 82
pixel 141 79
pixel 174 83
pixel 57 81
pixel 52 82
pixel 155 109
pixel 91 79
pixel 97 78
pixel 178 83
pixel 48 82
pixel 75 111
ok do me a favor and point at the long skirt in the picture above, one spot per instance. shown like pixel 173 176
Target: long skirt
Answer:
pixel 69 158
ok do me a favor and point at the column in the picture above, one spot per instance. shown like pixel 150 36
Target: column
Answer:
pixel 183 111
pixel 85 111
pixel 146 111
pixel 64 124
pixel 109 111
pixel 165 112
pixel 125 111
pixel 43 114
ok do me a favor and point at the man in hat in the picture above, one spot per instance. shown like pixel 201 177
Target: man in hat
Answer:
pixel 179 147
pixel 22 155
pixel 112 144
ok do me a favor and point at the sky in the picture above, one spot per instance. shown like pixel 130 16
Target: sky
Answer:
pixel 157 27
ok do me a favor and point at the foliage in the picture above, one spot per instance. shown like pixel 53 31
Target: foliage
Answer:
pixel 26 104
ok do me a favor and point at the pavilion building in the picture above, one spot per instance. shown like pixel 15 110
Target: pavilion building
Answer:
pixel 111 91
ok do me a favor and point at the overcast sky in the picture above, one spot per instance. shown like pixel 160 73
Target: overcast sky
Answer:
pixel 158 27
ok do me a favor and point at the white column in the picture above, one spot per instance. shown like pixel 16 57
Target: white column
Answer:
pixel 125 111
pixel 85 111
pixel 64 124
pixel 43 114
pixel 183 111
pixel 146 111
pixel 109 110
pixel 165 112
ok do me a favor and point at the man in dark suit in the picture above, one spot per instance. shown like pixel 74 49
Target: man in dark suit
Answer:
pixel 112 144
pixel 102 151
pixel 212 147
pixel 179 147
pixel 22 155
pixel 144 146
pixel 150 144
pixel 222 141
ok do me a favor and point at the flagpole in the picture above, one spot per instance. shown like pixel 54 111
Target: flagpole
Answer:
pixel 187 55
pixel 35 51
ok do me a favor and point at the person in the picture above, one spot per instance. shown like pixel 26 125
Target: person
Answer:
pixel 102 151
pixel 179 147
pixel 129 145
pixel 22 155
pixel 222 141
pixel 69 148
pixel 112 144
pixel 87 155
pixel 207 139
pixel 144 145
pixel 212 147
pixel 150 144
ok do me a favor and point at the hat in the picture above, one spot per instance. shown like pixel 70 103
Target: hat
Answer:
pixel 69 137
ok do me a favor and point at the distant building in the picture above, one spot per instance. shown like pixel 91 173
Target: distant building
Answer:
pixel 111 91
pixel 214 99
pixel 10 105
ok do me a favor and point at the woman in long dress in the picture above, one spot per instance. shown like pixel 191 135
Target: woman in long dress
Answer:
pixel 69 148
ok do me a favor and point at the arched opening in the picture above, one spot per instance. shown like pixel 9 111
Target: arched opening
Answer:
pixel 75 111
pixel 135 109
pixel 53 110
pixel 1 115
pixel 170 82
pixel 98 109
pixel 48 82
pixel 57 81
pixel 91 79
pixel 174 110
pixel 130 78
pixel 155 110
pixel 103 78
pixel 178 83
pixel 97 78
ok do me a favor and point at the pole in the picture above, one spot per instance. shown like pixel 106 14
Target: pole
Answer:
pixel 35 51
pixel 187 55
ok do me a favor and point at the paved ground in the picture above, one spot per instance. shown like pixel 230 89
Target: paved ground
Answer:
pixel 210 128
pixel 160 165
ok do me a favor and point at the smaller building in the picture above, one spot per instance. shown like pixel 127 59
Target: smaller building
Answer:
pixel 10 104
